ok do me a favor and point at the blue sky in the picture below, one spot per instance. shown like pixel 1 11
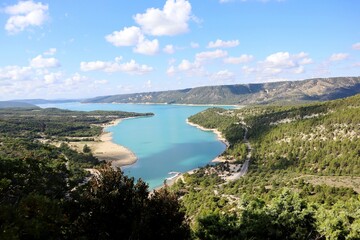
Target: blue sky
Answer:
pixel 82 48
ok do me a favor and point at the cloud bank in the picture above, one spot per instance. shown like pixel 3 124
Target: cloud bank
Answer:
pixel 25 14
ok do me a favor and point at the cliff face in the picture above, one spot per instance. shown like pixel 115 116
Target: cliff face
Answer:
pixel 317 89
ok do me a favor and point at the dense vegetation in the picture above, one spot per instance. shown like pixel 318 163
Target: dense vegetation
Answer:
pixel 45 192
pixel 261 93
pixel 320 138
pixel 38 203
pixel 55 123
pixel 275 200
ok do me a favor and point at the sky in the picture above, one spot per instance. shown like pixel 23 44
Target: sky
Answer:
pixel 85 48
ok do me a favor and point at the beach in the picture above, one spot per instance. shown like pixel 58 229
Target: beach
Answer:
pixel 217 132
pixel 109 151
pixel 105 149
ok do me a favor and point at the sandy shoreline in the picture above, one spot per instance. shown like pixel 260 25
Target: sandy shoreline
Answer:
pixel 219 136
pixel 105 149
pixel 217 132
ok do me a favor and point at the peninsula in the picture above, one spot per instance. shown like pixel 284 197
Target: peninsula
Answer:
pixel 81 131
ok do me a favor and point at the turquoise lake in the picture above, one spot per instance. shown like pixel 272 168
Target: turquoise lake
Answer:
pixel 163 143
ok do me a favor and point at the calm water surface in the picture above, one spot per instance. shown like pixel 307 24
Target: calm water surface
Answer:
pixel 163 143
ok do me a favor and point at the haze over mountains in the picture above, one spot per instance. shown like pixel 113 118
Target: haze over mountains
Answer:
pixel 16 104
pixel 317 89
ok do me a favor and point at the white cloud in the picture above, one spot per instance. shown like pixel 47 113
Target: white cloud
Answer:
pixel 299 70
pixel 37 70
pixel 171 20
pixel 223 44
pixel 118 59
pixel 279 59
pixel 51 78
pixel 148 84
pixel 25 14
pixel 75 79
pixel 244 58
pixel 171 71
pixel 196 68
pixel 101 81
pixel 15 73
pixel 132 36
pixel 110 67
pixel 187 67
pixel 248 70
pixel 39 80
pixel 169 49
pixel 305 61
pixel 338 57
pixel 172 61
pixel 147 47
pixel 41 62
pixel 356 46
pixel 194 45
pixel 203 56
pixel 50 52
pixel 278 64
pixel 223 75
pixel 93 66
pixel 134 68
pixel 129 36
pixel 271 71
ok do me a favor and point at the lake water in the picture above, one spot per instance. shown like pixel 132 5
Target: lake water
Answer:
pixel 163 143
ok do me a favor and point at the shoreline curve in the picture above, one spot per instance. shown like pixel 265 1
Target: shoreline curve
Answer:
pixel 220 137
pixel 106 149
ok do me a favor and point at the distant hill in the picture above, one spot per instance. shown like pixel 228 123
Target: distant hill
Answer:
pixel 45 101
pixel 13 104
pixel 317 89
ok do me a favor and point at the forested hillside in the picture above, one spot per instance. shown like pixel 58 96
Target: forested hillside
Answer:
pixel 303 181
pixel 46 192
pixel 304 175
pixel 287 92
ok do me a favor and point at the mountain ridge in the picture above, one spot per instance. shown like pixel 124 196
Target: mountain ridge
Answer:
pixel 315 89
pixel 16 104
pixel 46 101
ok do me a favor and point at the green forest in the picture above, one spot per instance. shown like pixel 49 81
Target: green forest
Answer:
pixel 46 192
pixel 276 199
pixel 303 180
pixel 56 123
